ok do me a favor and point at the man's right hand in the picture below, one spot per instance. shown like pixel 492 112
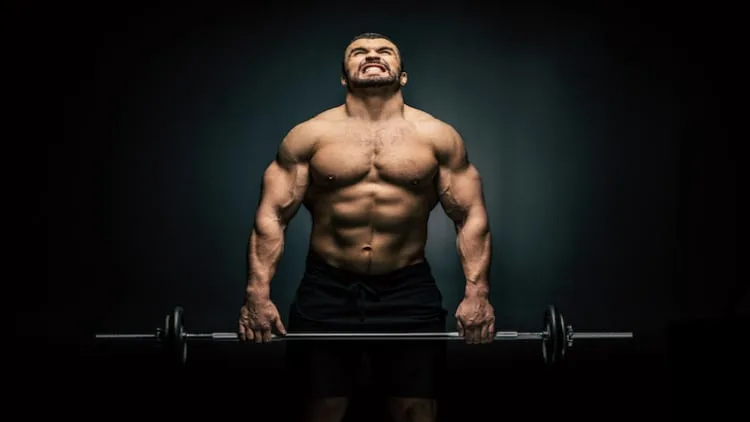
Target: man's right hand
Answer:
pixel 257 319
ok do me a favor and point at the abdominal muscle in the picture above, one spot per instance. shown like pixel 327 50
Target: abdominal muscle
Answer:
pixel 369 228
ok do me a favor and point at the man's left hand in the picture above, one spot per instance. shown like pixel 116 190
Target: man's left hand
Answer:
pixel 476 320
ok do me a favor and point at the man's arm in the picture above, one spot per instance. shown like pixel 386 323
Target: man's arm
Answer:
pixel 461 196
pixel 283 189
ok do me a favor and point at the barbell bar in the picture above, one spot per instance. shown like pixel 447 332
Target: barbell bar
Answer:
pixel 556 337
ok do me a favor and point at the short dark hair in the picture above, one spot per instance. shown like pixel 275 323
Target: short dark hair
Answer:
pixel 371 36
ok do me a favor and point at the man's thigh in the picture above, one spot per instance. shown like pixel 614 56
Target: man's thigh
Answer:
pixel 322 369
pixel 409 369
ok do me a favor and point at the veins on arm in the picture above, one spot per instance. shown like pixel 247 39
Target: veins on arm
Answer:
pixel 285 182
pixel 461 196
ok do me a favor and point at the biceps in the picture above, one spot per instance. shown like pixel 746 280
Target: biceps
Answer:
pixel 282 192
pixel 461 194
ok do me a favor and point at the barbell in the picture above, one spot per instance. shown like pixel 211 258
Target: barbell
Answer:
pixel 556 337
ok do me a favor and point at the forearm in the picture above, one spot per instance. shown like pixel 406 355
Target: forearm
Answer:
pixel 474 246
pixel 265 248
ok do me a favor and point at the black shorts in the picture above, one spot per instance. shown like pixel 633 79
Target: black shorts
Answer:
pixel 334 300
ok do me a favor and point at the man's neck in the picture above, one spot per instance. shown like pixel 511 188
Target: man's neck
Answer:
pixel 374 107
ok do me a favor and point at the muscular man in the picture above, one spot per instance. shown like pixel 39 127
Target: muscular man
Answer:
pixel 369 172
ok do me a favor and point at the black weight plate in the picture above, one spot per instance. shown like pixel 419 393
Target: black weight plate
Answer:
pixel 550 342
pixel 563 347
pixel 164 338
pixel 176 338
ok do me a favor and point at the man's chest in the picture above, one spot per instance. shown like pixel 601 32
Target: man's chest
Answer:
pixel 398 153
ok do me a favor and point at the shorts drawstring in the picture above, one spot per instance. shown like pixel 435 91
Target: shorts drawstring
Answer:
pixel 359 292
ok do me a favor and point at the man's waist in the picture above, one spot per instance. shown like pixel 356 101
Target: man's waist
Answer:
pixel 360 270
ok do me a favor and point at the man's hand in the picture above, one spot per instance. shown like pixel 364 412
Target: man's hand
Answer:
pixel 476 320
pixel 257 318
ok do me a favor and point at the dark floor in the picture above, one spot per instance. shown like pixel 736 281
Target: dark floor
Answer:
pixel 684 373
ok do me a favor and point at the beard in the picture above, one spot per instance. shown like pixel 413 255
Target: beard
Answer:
pixel 357 81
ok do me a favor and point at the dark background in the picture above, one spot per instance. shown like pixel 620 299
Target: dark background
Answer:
pixel 604 137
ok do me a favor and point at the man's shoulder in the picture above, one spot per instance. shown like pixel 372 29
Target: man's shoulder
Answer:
pixel 328 116
pixel 432 127
pixel 420 117
pixel 312 127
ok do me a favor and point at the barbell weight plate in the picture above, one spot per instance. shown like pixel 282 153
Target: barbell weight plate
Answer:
pixel 552 345
pixel 563 346
pixel 548 349
pixel 165 333
pixel 177 341
pixel 166 340
pixel 547 339
pixel 562 338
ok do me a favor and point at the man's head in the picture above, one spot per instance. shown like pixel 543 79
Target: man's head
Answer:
pixel 372 60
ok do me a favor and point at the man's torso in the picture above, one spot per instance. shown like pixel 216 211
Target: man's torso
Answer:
pixel 372 186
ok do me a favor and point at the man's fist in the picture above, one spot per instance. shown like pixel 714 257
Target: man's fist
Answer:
pixel 257 319
pixel 476 320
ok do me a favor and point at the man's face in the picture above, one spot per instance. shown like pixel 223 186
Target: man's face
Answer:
pixel 371 63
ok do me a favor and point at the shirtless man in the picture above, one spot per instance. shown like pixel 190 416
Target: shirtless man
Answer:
pixel 369 172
